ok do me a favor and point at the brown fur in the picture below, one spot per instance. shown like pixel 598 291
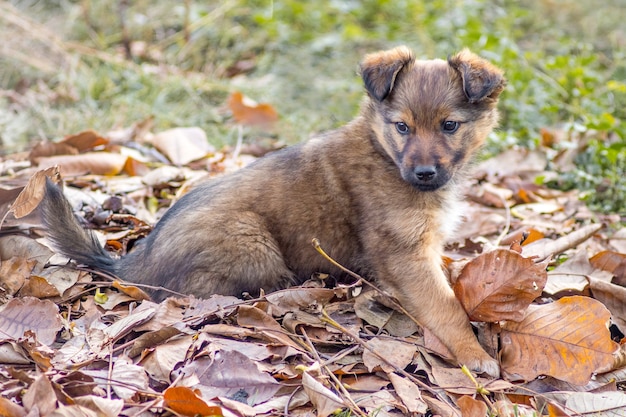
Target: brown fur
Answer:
pixel 381 202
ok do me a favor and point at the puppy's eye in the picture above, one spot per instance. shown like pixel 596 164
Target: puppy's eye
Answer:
pixel 402 128
pixel 450 126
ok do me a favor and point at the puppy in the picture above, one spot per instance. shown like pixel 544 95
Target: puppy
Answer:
pixel 380 194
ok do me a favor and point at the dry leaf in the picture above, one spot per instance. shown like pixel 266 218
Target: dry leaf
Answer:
pixel 397 353
pixel 183 145
pixel 97 163
pixel 103 407
pixel 613 297
pixel 183 400
pixel 30 314
pixel 543 248
pixel 251 113
pixel 612 262
pixel 231 374
pixel 18 246
pixel 568 339
pixel 129 378
pixel 499 285
pixel 40 396
pixel 611 404
pixel 14 272
pixel 9 409
pixel 471 407
pixel 32 194
pixel 85 140
pixel 325 401
pixel 409 393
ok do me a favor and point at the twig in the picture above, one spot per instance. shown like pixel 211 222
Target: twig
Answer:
pixel 353 406
pixel 328 320
pixel 316 244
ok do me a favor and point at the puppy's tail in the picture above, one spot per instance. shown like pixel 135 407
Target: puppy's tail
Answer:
pixel 66 234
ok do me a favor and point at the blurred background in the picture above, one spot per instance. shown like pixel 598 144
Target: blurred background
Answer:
pixel 67 66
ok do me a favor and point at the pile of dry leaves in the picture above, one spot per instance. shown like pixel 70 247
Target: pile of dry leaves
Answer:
pixel 541 276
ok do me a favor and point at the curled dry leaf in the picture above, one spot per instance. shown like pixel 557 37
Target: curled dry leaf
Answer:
pixel 182 145
pixel 499 285
pixel 29 313
pixel 471 407
pixel 543 249
pixel 248 112
pixel 97 163
pixel 32 194
pixel 231 374
pixel 612 404
pixel 612 262
pixel 568 340
pixel 325 401
pixel 183 400
pixel 613 297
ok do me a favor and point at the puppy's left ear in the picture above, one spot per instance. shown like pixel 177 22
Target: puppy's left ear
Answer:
pixel 481 79
pixel 379 70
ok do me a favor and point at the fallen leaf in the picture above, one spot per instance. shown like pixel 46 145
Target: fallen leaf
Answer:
pixel 9 409
pixel 231 374
pixel 34 191
pixel 28 313
pixel 97 163
pixel 129 378
pixel 389 352
pixel 85 140
pixel 612 262
pixel 409 393
pixel 612 404
pixel 248 112
pixel 544 248
pixel 103 407
pixel 499 285
pixel 20 246
pixel 40 396
pixel 568 339
pixel 14 272
pixel 183 400
pixel 325 401
pixel 183 145
pixel 613 297
pixel 471 407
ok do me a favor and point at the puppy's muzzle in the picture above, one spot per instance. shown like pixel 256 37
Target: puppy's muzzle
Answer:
pixel 427 177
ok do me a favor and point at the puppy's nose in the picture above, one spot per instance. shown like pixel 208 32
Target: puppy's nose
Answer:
pixel 425 173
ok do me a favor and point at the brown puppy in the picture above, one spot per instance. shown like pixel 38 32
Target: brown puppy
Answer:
pixel 380 194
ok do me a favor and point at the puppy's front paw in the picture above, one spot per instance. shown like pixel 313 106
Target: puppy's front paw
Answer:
pixel 481 362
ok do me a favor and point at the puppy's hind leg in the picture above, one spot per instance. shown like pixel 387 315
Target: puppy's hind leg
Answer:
pixel 240 255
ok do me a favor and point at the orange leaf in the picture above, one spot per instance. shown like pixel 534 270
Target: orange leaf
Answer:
pixel 184 401
pixel 248 112
pixel 98 163
pixel 499 285
pixel 610 261
pixel 85 140
pixel 30 197
pixel 471 407
pixel 568 340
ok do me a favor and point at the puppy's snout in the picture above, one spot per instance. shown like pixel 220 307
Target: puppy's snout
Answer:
pixel 425 173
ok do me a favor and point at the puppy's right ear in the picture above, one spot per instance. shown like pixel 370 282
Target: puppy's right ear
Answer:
pixel 379 70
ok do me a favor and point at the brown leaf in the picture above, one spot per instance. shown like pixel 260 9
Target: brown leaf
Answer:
pixel 612 262
pixel 14 272
pixel 325 401
pixel 85 140
pixel 543 249
pixel 19 246
pixel 97 163
pixel 46 149
pixel 28 313
pixel 32 194
pixel 38 287
pixel 613 297
pixel 499 285
pixel 408 392
pixel 183 145
pixel 183 400
pixel 40 395
pixel 471 407
pixel 9 409
pixel 568 339
pixel 231 373
pixel 248 112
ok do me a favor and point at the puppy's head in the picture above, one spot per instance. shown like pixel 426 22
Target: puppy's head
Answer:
pixel 430 116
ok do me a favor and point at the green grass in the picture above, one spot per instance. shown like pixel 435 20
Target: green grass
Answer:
pixel 564 60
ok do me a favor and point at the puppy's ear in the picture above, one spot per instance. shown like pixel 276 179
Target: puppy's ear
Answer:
pixel 379 70
pixel 481 79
